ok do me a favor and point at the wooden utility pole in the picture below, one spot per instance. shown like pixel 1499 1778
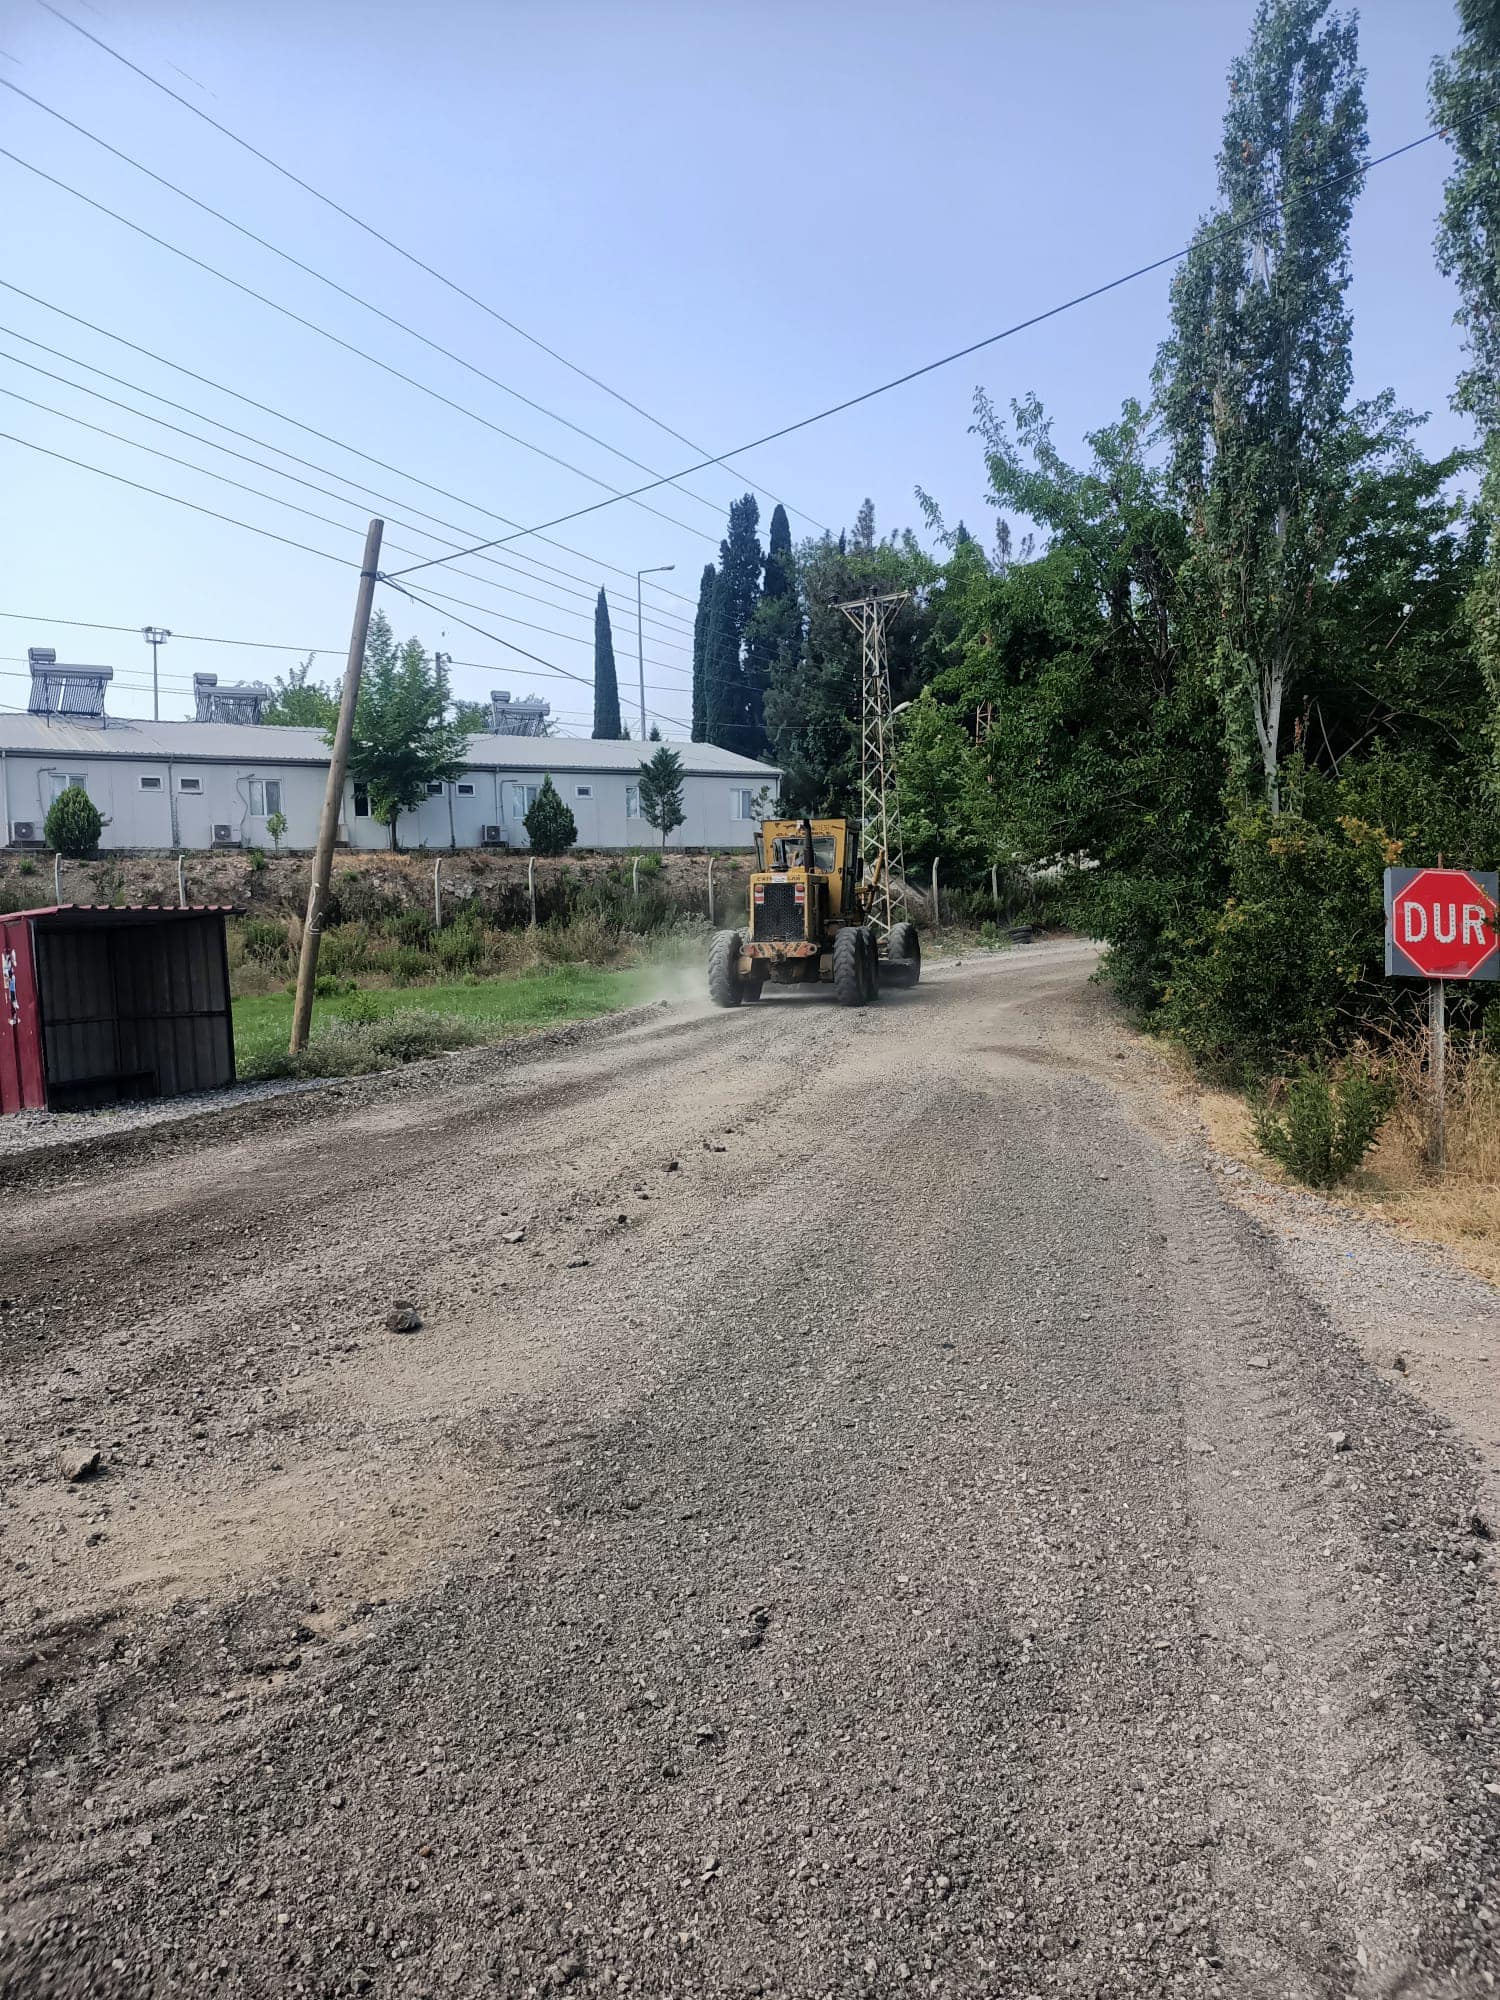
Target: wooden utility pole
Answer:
pixel 1437 1053
pixel 333 797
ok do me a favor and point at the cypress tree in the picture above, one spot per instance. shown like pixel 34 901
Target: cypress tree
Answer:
pixel 700 652
pixel 731 712
pixel 773 643
pixel 606 686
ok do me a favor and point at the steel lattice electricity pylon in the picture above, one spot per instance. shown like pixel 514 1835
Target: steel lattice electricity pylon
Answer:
pixel 879 808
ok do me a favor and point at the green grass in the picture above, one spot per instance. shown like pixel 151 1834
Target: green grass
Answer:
pixel 491 1007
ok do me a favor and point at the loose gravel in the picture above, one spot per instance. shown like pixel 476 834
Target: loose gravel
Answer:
pixel 860 1515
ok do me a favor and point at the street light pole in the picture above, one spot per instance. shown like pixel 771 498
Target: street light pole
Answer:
pixel 154 636
pixel 640 650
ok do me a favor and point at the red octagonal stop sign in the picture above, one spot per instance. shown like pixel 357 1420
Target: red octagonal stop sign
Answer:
pixel 1440 923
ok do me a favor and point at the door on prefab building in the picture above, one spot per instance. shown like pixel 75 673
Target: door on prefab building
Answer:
pixel 519 799
pixel 262 799
pixel 582 797
pixel 191 805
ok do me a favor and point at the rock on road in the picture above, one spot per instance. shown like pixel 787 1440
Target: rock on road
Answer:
pixel 859 1515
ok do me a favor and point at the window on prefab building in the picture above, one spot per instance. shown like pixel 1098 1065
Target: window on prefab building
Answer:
pixel 466 791
pixel 148 784
pixel 585 791
pixel 361 802
pixel 59 782
pixel 194 786
pixel 525 796
pixel 632 802
pixel 741 805
pixel 265 797
pixel 434 788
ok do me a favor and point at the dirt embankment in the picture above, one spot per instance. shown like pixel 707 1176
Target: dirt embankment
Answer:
pixel 276 884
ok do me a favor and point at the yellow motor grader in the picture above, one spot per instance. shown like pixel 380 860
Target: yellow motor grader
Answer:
pixel 813 916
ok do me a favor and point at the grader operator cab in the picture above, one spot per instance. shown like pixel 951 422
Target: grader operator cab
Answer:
pixel 812 916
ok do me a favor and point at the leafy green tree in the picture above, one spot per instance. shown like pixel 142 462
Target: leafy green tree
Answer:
pixel 863 538
pixel 472 717
pixel 403 737
pixel 606 687
pixel 941 789
pixel 653 734
pixel 1465 90
pixel 812 699
pixel 701 624
pixel 302 702
pixel 661 781
pixel 276 827
pixel 73 824
pixel 1255 376
pixel 729 706
pixel 549 822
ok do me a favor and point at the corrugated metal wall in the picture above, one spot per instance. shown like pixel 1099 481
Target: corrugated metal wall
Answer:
pixel 134 1009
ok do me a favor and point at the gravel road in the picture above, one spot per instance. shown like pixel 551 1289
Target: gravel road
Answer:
pixel 863 1513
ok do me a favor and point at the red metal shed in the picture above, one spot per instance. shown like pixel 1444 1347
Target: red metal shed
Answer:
pixel 100 1003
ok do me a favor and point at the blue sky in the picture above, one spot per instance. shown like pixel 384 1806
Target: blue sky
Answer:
pixel 734 215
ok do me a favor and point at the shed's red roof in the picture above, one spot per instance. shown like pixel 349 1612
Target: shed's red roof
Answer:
pixel 126 910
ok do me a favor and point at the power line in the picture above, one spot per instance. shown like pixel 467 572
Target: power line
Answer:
pixel 177 500
pixel 276 500
pixel 349 347
pixel 343 291
pixel 508 644
pixel 41 622
pixel 652 618
pixel 292 506
pixel 943 361
pixel 339 444
pixel 411 258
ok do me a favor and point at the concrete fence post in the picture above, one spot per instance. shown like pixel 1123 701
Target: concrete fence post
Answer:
pixel 995 885
pixel 437 894
pixel 937 915
pixel 635 876
pixel 57 878
pixel 181 882
pixel 531 886
pixel 710 891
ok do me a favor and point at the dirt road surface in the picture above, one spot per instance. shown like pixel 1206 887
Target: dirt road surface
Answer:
pixel 863 1513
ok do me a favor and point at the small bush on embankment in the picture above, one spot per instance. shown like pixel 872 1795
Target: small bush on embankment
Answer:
pixel 1325 1123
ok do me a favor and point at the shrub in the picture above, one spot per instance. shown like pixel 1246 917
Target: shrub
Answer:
pixel 1292 963
pixel 74 824
pixel 1327 1124
pixel 359 1007
pixel 257 859
pixel 276 827
pixel 460 948
pixel 265 942
pixel 411 927
pixel 408 964
pixel 550 825
pixel 359 1048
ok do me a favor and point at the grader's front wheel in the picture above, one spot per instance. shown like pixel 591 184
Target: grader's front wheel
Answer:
pixel 725 986
pixel 850 982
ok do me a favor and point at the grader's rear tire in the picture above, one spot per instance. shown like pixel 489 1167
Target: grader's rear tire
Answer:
pixel 849 979
pixel 725 987
pixel 904 955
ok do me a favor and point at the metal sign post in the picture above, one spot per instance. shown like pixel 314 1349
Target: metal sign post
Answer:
pixel 1440 924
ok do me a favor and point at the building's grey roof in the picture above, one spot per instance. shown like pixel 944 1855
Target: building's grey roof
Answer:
pixel 272 743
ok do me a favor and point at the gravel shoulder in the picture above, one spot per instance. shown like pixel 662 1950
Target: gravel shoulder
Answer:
pixel 861 1515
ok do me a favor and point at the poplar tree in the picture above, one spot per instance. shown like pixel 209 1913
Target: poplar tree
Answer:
pixel 700 652
pixel 1255 376
pixel 730 710
pixel 1465 93
pixel 606 686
